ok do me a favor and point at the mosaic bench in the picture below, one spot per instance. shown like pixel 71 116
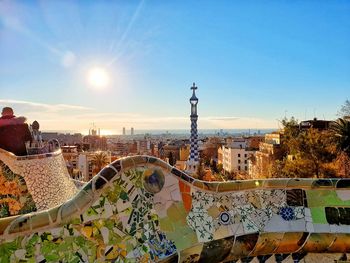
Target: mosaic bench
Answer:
pixel 44 175
pixel 140 209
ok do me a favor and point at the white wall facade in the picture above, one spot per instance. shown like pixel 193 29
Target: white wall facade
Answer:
pixel 235 159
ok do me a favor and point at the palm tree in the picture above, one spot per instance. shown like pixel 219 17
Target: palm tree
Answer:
pixel 341 131
pixel 100 160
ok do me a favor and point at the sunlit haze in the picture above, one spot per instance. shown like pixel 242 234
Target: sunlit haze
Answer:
pixel 98 78
pixel 117 64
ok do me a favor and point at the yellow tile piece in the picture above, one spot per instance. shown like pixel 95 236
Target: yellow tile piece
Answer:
pixel 87 231
pixel 214 211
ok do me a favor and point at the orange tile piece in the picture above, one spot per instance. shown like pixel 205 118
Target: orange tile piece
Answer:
pixel 186 196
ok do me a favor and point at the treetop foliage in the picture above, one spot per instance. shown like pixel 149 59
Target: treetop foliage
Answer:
pixel 345 109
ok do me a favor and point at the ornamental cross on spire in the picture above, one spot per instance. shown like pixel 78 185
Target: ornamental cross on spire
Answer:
pixel 194 86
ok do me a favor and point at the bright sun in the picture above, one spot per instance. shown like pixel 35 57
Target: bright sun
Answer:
pixel 98 77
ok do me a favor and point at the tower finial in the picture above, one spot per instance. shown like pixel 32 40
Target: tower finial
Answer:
pixel 194 86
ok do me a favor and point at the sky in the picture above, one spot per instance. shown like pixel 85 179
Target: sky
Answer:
pixel 254 62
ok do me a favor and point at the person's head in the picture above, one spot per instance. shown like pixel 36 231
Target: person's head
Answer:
pixel 7 111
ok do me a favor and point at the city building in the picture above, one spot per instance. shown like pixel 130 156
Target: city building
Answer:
pixel 253 142
pixel 269 151
pixel 235 156
pixel 119 147
pixel 209 148
pixel 220 155
pixel 315 124
pixel 94 132
pixel 184 153
pixel 143 146
pixel 132 131
pixel 71 154
pixel 94 141
pixel 171 152
pixel 86 164
pixel 124 132
pixel 80 164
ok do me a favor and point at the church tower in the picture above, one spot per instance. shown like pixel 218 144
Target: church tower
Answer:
pixel 193 160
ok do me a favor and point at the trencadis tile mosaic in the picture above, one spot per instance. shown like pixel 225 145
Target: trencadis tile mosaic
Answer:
pixel 139 209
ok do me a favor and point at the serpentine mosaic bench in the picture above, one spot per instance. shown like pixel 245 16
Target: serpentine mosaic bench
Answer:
pixel 45 176
pixel 140 209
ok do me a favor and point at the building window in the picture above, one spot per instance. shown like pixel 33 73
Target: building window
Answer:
pixel 239 161
pixel 239 168
pixel 245 161
pixel 239 155
pixel 245 155
pixel 246 168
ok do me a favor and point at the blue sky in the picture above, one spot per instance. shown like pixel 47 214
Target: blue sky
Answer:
pixel 253 61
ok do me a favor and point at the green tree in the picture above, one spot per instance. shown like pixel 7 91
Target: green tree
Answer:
pixel 341 132
pixel 291 134
pixel 213 166
pixel 171 158
pixel 305 153
pixel 311 154
pixel 219 167
pixel 341 135
pixel 344 110
pixel 200 170
pixel 100 160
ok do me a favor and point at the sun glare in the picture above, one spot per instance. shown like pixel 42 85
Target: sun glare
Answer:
pixel 98 78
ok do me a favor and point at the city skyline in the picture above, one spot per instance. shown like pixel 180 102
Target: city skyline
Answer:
pixel 253 63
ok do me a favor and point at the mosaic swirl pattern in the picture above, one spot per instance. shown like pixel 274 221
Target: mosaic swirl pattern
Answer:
pixel 140 209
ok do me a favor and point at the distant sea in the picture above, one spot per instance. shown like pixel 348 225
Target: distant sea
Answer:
pixel 187 131
pixel 206 131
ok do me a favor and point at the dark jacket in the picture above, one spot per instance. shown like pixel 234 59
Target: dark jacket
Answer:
pixel 14 137
pixel 11 120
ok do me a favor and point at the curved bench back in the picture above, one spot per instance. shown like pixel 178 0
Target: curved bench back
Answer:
pixel 46 177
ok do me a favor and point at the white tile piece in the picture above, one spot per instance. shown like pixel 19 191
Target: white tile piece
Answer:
pixel 322 228
pixel 310 227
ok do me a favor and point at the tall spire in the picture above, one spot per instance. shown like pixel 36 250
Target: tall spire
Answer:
pixel 193 159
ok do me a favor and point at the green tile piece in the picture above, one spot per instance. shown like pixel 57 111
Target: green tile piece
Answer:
pixel 176 212
pixel 316 198
pixel 166 225
pixel 175 227
pixel 318 215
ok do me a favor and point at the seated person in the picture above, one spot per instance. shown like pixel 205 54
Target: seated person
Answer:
pixel 36 145
pixel 14 132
